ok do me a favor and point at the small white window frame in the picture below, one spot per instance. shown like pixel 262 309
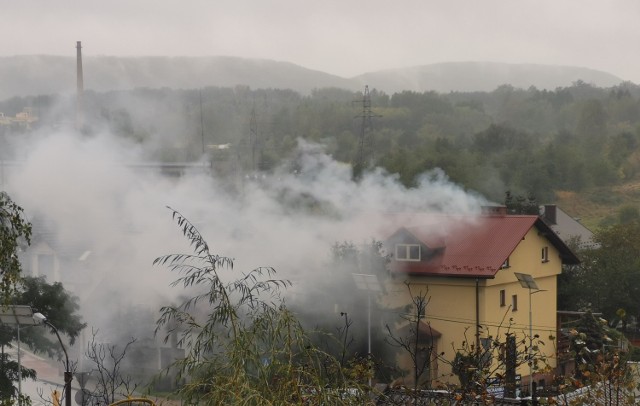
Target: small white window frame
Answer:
pixel 405 250
pixel 545 254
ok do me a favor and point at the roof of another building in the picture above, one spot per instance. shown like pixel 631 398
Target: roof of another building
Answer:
pixel 565 226
pixel 475 247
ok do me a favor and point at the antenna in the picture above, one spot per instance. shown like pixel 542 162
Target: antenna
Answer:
pixel 365 143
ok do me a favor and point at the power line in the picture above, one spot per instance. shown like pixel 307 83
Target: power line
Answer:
pixel 472 322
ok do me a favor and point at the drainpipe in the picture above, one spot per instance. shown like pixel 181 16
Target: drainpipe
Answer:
pixel 477 315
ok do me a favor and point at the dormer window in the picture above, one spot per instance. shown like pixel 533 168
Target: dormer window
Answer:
pixel 408 252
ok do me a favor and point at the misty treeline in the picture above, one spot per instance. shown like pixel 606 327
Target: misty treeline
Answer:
pixel 531 141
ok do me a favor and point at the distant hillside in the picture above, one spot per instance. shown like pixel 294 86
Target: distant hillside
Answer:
pixel 33 75
pixel 483 76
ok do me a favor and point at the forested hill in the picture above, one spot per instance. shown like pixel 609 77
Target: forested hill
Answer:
pixel 484 76
pixel 35 75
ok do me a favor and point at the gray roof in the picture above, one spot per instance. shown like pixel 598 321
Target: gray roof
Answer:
pixel 566 227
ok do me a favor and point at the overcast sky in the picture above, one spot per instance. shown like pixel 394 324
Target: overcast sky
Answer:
pixel 342 37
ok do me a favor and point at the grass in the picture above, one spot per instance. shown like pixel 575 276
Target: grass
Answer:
pixel 598 206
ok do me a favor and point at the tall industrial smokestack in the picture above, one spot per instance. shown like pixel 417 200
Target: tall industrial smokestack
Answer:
pixel 80 88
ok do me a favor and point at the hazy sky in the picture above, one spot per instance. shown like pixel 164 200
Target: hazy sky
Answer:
pixel 343 37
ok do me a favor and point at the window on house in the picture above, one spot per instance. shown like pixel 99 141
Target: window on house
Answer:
pixel 408 252
pixel 545 254
pixel 505 264
pixel 503 298
pixel 514 302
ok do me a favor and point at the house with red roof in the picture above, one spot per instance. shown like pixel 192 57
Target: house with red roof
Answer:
pixel 468 266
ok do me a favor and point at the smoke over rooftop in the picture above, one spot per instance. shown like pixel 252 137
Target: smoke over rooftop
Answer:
pixel 96 202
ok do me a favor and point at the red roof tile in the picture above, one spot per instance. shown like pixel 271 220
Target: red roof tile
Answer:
pixel 471 247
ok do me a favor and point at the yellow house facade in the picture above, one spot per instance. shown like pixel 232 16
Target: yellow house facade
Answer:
pixel 466 268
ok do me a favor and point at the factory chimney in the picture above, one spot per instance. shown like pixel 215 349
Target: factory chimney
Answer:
pixel 80 88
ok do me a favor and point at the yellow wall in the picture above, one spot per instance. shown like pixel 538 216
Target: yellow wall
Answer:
pixel 452 310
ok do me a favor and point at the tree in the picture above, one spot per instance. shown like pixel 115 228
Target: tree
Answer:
pixel 592 128
pixel 110 380
pixel 15 234
pixel 60 308
pixel 587 343
pixel 493 359
pixel 417 342
pixel 50 299
pixel 58 305
pixel 243 346
pixel 601 364
pixel 520 204
pixel 608 277
pixel 8 377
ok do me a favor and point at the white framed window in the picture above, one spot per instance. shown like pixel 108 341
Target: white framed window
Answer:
pixel 408 252
pixel 545 254
pixel 503 298
pixel 514 303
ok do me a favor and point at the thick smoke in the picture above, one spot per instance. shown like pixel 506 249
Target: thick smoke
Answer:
pixel 92 195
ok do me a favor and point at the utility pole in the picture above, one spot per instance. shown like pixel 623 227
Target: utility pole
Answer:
pixel 365 142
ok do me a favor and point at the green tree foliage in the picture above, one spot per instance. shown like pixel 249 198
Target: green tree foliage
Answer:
pixel 628 213
pixel 58 305
pixel 592 122
pixel 520 204
pixel 587 342
pixel 525 140
pixel 60 308
pixel 243 346
pixel 15 234
pixel 50 299
pixel 8 378
pixel 608 278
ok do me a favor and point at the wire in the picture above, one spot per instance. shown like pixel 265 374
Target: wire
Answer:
pixel 472 322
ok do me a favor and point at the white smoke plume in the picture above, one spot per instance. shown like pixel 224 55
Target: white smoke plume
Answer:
pixel 288 220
